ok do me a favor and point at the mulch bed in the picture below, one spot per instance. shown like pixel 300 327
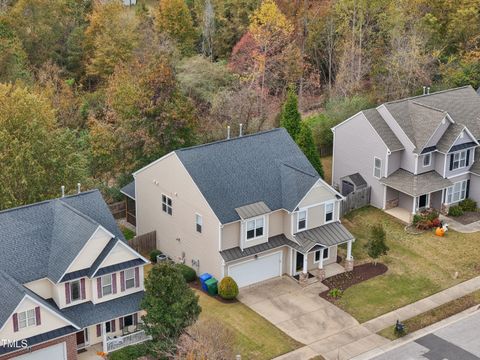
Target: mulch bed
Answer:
pixel 197 286
pixel 468 217
pixel 345 280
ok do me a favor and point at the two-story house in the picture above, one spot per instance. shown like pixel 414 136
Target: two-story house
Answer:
pixel 415 153
pixel 250 207
pixel 68 280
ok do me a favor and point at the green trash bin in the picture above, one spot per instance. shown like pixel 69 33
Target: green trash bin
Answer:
pixel 212 286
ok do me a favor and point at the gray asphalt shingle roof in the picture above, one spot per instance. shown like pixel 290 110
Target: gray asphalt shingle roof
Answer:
pixel 449 136
pixel 419 116
pixel 326 235
pixel 383 130
pixel 42 239
pixel 416 185
pixel 267 166
pixel 129 190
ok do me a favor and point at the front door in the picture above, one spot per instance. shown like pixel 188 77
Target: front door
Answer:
pixel 299 263
pixel 423 201
pixel 82 339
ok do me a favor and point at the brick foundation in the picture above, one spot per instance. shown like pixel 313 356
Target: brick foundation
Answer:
pixel 348 265
pixel 302 279
pixel 390 204
pixel 71 345
pixel 320 274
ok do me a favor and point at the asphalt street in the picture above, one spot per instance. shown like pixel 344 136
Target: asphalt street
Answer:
pixel 457 341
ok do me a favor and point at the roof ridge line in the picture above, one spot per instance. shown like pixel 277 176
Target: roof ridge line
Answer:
pixel 429 107
pixel 297 169
pixel 425 95
pixel 78 212
pixel 231 139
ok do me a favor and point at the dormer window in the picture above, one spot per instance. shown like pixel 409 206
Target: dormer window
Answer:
pixel 255 228
pixel 302 220
pixel 427 160
pixel 26 318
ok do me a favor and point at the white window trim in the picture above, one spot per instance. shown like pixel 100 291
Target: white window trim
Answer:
pixel 27 323
pixel 128 278
pixel 328 257
pixel 255 228
pixel 72 300
pixel 325 212
pixel 459 159
pixel 104 286
pixel 198 216
pixel 380 168
pixel 306 219
pixel 429 155
pixel 463 193
pixel 166 204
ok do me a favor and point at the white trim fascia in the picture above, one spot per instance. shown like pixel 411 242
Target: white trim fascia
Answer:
pixel 386 162
pixel 127 194
pixel 26 296
pixel 333 159
pixel 151 164
pixel 445 166
pixel 120 242
pixel 376 132
pixel 408 139
pixel 416 164
pixel 438 127
pixel 348 119
pixel 384 196
pixel 220 227
pixel 137 229
pixel 458 136
pixel 456 175
pixel 329 187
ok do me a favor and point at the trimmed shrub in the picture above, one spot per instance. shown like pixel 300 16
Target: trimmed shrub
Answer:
pixel 468 205
pixel 455 211
pixel 335 293
pixel 131 352
pixel 154 254
pixel 228 288
pixel 188 273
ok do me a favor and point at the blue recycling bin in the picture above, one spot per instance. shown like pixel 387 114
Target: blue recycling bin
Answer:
pixel 204 277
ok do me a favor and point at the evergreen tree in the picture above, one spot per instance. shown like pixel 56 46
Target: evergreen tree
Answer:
pixel 290 118
pixel 307 145
pixel 376 245
pixel 171 306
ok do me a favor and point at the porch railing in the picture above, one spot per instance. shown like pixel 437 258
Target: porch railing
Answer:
pixel 126 340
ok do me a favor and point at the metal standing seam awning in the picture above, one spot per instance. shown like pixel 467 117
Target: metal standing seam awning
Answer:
pixel 325 236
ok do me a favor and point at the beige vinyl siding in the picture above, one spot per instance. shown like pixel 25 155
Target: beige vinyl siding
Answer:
pixel 94 292
pixel 49 322
pixel 231 235
pixel 177 235
pixel 475 188
pixel 60 299
pixel 276 223
pixel 318 193
pixel 311 265
pixel 287 225
pixel 90 252
pixel 42 287
pixel 118 254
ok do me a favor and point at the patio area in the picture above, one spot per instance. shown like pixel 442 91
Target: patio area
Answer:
pixel 400 213
pixel 90 353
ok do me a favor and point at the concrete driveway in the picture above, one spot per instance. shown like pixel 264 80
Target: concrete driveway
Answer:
pixel 296 310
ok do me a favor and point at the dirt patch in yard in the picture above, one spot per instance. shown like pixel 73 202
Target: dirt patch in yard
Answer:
pixel 468 217
pixel 345 280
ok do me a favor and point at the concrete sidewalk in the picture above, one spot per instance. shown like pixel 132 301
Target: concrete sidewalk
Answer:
pixel 362 339
pixel 461 228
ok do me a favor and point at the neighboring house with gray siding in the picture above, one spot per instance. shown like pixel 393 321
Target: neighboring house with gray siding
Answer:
pixel 251 207
pixel 415 153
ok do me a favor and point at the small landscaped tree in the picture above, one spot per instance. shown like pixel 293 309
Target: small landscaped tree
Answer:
pixel 171 307
pixel 290 118
pixel 307 145
pixel 376 245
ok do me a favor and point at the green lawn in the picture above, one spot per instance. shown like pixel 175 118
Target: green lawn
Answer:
pixel 256 338
pixel 419 265
pixel 129 234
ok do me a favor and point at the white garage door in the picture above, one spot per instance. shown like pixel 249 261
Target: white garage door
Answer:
pixel 252 271
pixel 55 352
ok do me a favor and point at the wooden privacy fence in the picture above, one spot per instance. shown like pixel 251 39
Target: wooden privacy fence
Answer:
pixel 145 243
pixel 325 150
pixel 355 200
pixel 118 209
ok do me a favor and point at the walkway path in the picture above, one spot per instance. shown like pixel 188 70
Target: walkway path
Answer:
pixel 362 338
pixel 455 225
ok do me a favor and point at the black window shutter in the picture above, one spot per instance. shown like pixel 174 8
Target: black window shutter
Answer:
pixel 451 162
pixel 467 191
pixel 467 160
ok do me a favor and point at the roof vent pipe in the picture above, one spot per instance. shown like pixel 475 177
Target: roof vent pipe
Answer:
pixel 228 132
pixel 78 188
pixel 63 190
pixel 424 90
pixel 241 130
pixel 428 90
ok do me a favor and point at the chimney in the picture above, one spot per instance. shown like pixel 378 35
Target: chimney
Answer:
pixel 228 132
pixel 241 130
pixel 428 90
pixel 78 188
pixel 424 90
pixel 63 190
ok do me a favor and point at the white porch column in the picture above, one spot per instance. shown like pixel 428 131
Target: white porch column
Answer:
pixel 104 337
pixel 414 206
pixel 305 263
pixel 349 250
pixel 320 263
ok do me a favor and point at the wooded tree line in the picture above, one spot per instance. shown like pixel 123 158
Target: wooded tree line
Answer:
pixel 93 90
